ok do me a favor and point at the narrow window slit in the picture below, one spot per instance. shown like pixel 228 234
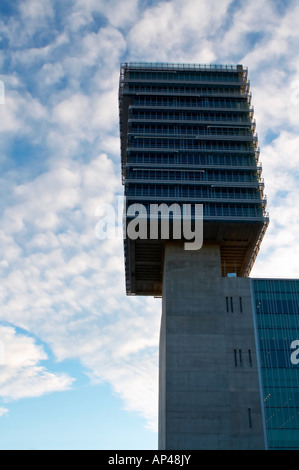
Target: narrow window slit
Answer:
pixel 249 418
pixel 249 356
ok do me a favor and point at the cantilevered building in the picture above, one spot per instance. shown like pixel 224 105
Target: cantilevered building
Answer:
pixel 188 137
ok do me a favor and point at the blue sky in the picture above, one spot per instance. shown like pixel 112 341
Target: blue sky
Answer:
pixel 79 369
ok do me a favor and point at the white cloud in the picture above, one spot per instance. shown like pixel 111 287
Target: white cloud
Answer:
pixel 125 354
pixel 94 59
pixel 66 287
pixel 184 28
pixel 118 13
pixel 20 112
pixel 64 195
pixel 72 112
pixel 280 166
pixel 253 20
pixel 21 374
pixel 3 411
pixel 51 74
pixel 280 251
pixel 34 10
pixel 136 381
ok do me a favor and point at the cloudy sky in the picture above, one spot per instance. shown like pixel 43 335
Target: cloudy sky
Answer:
pixel 78 359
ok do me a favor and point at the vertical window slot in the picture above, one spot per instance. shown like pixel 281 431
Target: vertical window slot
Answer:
pixel 249 356
pixel 249 418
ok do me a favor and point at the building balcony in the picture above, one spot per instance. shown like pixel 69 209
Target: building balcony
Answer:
pixel 198 199
pixel 142 90
pixel 211 210
pixel 195 143
pixel 188 167
pixel 211 132
pixel 207 181
pixel 240 121
pixel 191 105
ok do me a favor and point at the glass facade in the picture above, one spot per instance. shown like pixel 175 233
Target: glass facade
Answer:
pixel 188 136
pixel 276 303
pixel 194 131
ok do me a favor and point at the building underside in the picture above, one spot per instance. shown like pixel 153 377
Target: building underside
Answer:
pixel 238 242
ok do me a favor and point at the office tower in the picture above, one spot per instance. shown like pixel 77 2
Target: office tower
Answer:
pixel 187 138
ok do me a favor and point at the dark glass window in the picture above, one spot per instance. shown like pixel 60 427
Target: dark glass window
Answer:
pixel 277 315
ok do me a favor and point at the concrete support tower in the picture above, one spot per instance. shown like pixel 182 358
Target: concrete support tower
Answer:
pixel 209 386
pixel 188 137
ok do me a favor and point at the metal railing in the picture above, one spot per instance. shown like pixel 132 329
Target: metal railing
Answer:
pixel 144 174
pixel 195 118
pixel 191 105
pixel 181 66
pixel 196 193
pixel 147 143
pixel 191 132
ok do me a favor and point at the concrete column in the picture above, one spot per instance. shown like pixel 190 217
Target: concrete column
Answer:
pixel 208 386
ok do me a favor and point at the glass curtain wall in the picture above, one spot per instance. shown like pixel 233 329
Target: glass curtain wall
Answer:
pixel 276 305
